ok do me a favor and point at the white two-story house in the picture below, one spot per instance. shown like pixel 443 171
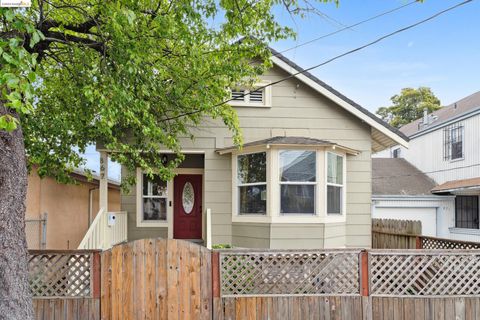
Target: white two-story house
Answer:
pixel 445 146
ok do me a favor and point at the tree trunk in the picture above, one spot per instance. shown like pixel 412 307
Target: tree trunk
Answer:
pixel 15 298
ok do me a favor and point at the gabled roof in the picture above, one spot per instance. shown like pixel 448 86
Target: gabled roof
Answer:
pixel 289 141
pixel 455 110
pixel 397 176
pixel 383 134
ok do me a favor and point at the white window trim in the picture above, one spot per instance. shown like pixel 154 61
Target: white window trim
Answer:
pixel 298 183
pixel 336 217
pixel 273 190
pixel 462 132
pixel 267 97
pixel 139 199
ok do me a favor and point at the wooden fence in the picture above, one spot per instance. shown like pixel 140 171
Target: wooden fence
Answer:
pixel 156 279
pixel 65 284
pixel 395 234
pixel 174 279
pixel 406 234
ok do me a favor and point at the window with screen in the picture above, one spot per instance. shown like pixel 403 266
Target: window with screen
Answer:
pixel 466 212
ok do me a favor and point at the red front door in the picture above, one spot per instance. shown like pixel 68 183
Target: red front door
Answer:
pixel 187 206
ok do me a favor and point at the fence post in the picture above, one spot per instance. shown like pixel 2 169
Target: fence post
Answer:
pixel 95 268
pixel 215 275
pixel 364 281
pixel 365 285
pixel 43 239
pixel 418 242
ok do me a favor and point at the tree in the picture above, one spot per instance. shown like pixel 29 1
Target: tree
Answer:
pixel 134 75
pixel 409 105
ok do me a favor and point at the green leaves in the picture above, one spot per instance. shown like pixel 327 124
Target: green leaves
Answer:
pixel 409 105
pixel 8 123
pixel 139 76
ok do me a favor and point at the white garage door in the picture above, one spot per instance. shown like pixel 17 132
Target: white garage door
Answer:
pixel 428 217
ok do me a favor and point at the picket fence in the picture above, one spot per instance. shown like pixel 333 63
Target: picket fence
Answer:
pixel 174 279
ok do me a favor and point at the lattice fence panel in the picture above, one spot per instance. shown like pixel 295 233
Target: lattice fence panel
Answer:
pixel 60 275
pixel 438 243
pixel 289 273
pixel 424 274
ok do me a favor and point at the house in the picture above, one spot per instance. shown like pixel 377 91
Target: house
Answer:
pixel 401 191
pixel 301 180
pixel 444 146
pixel 58 215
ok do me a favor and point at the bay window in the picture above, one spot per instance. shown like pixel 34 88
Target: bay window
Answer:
pixel 334 183
pixel 252 183
pixel 289 185
pixel 297 181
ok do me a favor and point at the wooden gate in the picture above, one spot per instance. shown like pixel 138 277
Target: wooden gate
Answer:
pixel 156 279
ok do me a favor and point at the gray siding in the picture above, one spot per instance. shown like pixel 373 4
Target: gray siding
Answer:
pixel 297 110
pixel 251 235
pixel 297 236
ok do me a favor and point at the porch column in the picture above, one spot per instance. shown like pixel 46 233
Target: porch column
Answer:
pixel 103 188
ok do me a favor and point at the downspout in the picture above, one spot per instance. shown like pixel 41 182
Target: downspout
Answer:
pixel 90 205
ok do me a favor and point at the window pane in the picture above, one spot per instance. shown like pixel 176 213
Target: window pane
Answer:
pixel 154 187
pixel 334 168
pixel 297 198
pixel 155 209
pixel 252 168
pixel 334 199
pixel 253 199
pixel 466 212
pixel 297 165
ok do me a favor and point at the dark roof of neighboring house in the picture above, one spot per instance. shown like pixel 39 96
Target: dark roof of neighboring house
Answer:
pixel 461 107
pixel 397 176
pixel 287 140
pixel 338 94
pixel 457 185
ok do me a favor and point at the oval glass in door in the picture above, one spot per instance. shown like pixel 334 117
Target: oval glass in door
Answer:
pixel 188 197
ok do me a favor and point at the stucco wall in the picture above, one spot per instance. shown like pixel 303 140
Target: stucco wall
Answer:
pixel 67 207
pixel 297 110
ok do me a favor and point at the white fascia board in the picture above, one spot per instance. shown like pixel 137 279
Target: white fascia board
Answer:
pixel 344 104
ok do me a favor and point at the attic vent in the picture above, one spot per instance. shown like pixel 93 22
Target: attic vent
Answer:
pixel 238 94
pixel 256 96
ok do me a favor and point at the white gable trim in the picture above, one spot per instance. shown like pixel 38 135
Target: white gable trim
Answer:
pixel 344 104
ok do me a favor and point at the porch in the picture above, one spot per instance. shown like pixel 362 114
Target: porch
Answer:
pixel 154 208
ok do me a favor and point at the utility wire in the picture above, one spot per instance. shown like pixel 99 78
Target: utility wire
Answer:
pixel 391 34
pixel 347 27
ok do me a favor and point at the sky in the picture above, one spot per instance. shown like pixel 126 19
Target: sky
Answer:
pixel 443 54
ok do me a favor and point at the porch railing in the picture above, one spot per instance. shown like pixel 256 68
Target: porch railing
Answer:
pixel 102 235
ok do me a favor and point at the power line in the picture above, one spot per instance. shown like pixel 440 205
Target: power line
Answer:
pixel 347 27
pixel 427 172
pixel 369 44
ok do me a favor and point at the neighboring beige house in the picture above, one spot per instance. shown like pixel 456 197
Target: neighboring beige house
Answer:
pixel 302 180
pixel 69 210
